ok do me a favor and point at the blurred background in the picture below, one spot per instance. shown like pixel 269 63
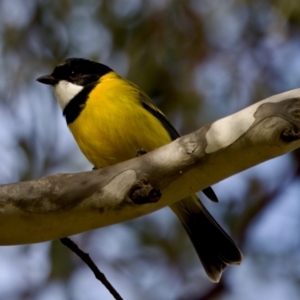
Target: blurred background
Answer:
pixel 199 61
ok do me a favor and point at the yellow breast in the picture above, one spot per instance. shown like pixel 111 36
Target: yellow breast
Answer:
pixel 113 125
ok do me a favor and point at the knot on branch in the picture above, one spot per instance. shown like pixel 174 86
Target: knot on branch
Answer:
pixel 143 192
pixel 290 134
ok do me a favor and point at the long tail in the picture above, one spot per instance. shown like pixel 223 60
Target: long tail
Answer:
pixel 214 247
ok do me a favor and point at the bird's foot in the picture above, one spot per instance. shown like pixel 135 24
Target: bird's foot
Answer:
pixel 140 152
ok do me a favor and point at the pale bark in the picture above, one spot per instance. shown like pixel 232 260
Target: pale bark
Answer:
pixel 64 204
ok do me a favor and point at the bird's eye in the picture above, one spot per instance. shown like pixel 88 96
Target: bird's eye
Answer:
pixel 74 75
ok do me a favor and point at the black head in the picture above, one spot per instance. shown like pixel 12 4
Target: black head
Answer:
pixel 78 71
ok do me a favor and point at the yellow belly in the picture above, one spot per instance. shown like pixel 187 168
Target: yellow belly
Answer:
pixel 113 126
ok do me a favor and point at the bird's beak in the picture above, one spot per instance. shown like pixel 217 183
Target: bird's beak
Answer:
pixel 47 79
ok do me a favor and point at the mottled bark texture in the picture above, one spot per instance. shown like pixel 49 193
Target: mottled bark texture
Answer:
pixel 56 206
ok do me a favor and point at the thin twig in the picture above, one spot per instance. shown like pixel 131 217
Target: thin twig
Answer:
pixel 86 258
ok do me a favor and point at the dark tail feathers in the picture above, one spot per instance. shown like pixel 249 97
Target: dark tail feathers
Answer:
pixel 215 248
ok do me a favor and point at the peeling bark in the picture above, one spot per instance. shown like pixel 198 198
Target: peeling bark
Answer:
pixel 64 204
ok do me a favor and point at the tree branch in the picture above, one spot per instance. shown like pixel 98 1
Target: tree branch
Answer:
pixel 56 206
pixel 89 262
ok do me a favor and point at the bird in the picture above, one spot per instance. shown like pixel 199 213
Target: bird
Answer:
pixel 111 118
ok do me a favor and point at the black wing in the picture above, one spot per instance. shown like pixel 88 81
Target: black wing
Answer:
pixel 149 105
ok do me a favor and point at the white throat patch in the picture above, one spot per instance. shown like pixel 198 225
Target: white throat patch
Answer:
pixel 65 91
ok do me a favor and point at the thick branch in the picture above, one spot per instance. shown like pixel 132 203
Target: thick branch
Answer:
pixel 64 204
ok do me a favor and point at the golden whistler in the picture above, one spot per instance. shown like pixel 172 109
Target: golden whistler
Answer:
pixel 111 119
